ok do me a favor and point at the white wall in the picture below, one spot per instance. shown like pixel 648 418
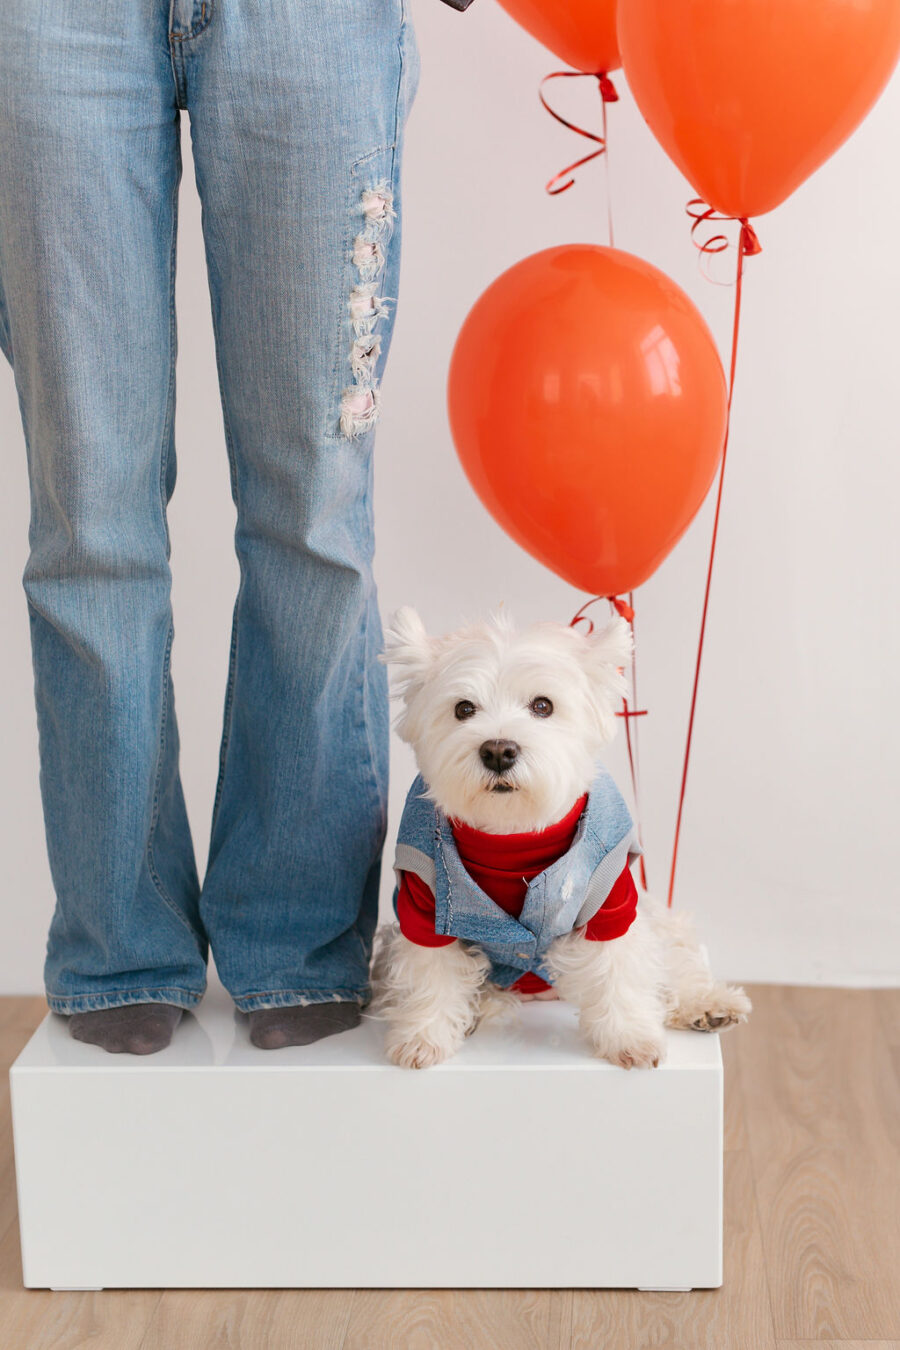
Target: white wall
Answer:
pixel 789 848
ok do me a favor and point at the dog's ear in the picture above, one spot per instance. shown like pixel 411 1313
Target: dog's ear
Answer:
pixel 407 649
pixel 605 656
pixel 612 647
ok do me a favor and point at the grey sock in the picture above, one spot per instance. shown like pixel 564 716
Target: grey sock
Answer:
pixel 272 1028
pixel 135 1029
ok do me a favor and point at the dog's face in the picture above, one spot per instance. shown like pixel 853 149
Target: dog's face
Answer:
pixel 506 726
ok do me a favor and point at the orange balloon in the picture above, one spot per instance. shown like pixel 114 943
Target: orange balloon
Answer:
pixel 749 97
pixel 581 32
pixel 588 405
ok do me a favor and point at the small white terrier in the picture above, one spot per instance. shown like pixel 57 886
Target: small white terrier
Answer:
pixel 507 728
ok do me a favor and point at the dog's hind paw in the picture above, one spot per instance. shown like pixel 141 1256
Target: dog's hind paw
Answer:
pixel 719 1008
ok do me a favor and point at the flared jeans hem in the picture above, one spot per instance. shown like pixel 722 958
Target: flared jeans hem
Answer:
pixel 292 998
pixel 120 998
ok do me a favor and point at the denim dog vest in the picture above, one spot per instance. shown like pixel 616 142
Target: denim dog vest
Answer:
pixel 563 897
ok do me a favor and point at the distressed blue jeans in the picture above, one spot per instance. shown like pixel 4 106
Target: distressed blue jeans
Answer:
pixel 297 113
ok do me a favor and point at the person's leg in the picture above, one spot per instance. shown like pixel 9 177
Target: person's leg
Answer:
pixel 89 171
pixel 297 117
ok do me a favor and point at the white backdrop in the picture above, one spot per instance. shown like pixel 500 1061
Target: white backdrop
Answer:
pixel 789 856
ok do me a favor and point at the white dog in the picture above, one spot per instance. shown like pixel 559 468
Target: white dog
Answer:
pixel 507 729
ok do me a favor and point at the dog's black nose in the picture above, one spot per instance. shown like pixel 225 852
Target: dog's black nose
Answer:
pixel 498 755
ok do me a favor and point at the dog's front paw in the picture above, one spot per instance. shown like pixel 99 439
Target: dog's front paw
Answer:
pixel 417 1052
pixel 644 1054
pixel 641 1050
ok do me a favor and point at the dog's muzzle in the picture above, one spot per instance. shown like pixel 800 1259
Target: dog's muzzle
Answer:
pixel 499 757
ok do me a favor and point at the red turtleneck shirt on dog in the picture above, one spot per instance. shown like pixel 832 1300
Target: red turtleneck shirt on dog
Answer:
pixel 502 865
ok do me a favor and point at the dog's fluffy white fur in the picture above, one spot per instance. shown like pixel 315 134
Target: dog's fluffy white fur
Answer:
pixel 627 990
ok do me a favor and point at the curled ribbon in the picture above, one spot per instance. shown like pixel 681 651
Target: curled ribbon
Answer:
pixel 607 93
pixel 619 605
pixel 703 214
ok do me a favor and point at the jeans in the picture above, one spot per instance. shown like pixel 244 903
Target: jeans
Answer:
pixel 297 114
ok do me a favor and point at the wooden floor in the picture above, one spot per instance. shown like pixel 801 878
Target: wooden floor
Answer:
pixel 812 1227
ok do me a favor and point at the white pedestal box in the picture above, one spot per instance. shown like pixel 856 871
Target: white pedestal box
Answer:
pixel 523 1162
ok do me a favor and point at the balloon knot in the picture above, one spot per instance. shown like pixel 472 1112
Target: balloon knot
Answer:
pixel 621 607
pixel 749 240
pixel 608 91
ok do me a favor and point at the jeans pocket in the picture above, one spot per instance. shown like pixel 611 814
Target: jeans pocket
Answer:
pixel 355 395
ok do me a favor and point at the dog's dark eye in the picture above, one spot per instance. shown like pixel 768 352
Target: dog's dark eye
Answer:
pixel 464 708
pixel 540 706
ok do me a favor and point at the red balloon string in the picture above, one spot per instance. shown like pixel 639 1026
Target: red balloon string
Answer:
pixel 626 609
pixel 608 94
pixel 634 757
pixel 609 213
pixel 748 245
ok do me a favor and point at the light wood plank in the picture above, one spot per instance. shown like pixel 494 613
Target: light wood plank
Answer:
pixel 251 1319
pixel 453 1319
pixel 736 1316
pixel 735 1129
pixel 839 1345
pixel 24 1012
pixel 822 1106
pixel 559 1331
pixel 8 1200
pixel 888 1002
